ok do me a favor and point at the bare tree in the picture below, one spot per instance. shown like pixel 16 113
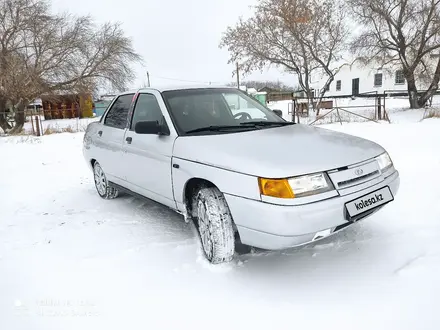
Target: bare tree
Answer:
pixel 403 34
pixel 14 23
pixel 300 36
pixel 326 39
pixel 42 53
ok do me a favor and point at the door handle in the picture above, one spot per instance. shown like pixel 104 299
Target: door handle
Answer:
pixel 129 139
pixel 100 133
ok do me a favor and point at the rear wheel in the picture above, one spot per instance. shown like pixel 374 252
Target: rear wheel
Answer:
pixel 214 223
pixel 102 186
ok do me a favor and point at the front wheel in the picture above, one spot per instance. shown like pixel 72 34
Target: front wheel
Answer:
pixel 214 223
pixel 102 187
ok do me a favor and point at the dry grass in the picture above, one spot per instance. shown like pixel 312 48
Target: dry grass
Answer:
pixel 56 129
pixel 432 113
pixel 49 130
pixel 21 133
pixel 68 129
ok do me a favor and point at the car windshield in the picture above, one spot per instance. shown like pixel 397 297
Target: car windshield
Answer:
pixel 215 110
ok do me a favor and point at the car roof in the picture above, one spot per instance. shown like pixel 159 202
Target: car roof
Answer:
pixel 185 87
pixel 174 88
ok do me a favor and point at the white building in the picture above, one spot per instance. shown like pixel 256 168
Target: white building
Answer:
pixel 359 79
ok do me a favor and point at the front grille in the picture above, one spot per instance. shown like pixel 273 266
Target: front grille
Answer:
pixel 355 175
pixel 359 179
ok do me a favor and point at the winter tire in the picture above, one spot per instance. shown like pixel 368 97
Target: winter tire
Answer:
pixel 214 223
pixel 102 187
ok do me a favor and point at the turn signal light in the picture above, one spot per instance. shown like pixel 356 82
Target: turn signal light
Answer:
pixel 279 188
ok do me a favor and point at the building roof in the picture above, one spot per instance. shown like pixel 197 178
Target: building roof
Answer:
pixel 266 89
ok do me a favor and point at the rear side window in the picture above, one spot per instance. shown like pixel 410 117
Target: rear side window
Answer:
pixel 147 109
pixel 117 115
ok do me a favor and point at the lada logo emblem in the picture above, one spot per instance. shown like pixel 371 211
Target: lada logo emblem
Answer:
pixel 359 172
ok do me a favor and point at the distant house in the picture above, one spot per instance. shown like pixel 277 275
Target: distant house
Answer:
pixel 266 89
pixel 358 79
pixel 64 105
pixel 101 104
pixel 107 97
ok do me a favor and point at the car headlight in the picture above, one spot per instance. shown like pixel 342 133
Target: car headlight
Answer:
pixel 384 162
pixel 311 184
pixel 300 186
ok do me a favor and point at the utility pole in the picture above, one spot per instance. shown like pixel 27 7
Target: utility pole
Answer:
pixel 148 79
pixel 238 85
pixel 238 75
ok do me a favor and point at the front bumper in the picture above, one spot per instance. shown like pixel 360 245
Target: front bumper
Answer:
pixel 276 227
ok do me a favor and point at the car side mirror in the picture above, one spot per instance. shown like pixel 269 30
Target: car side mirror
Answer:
pixel 151 127
pixel 278 113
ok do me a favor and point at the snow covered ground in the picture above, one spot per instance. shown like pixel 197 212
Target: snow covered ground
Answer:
pixel 70 260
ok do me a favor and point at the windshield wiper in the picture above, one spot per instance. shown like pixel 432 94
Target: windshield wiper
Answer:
pixel 214 128
pixel 249 124
pixel 267 123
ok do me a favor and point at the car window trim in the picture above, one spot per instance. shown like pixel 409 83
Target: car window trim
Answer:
pixel 111 106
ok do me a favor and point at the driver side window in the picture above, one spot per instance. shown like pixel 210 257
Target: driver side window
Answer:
pixel 147 109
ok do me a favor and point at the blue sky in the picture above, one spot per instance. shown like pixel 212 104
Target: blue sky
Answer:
pixel 177 39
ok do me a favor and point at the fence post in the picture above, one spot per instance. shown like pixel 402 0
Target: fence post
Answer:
pixel 375 107
pixel 41 125
pixel 379 109
pixel 32 122
pixel 293 111
pixel 337 111
pixel 37 124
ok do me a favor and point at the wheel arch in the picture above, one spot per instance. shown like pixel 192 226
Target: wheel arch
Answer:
pixel 191 187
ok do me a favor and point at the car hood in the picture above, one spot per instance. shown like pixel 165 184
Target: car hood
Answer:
pixel 277 152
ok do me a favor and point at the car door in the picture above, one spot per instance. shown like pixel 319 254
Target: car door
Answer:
pixel 148 156
pixel 111 136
